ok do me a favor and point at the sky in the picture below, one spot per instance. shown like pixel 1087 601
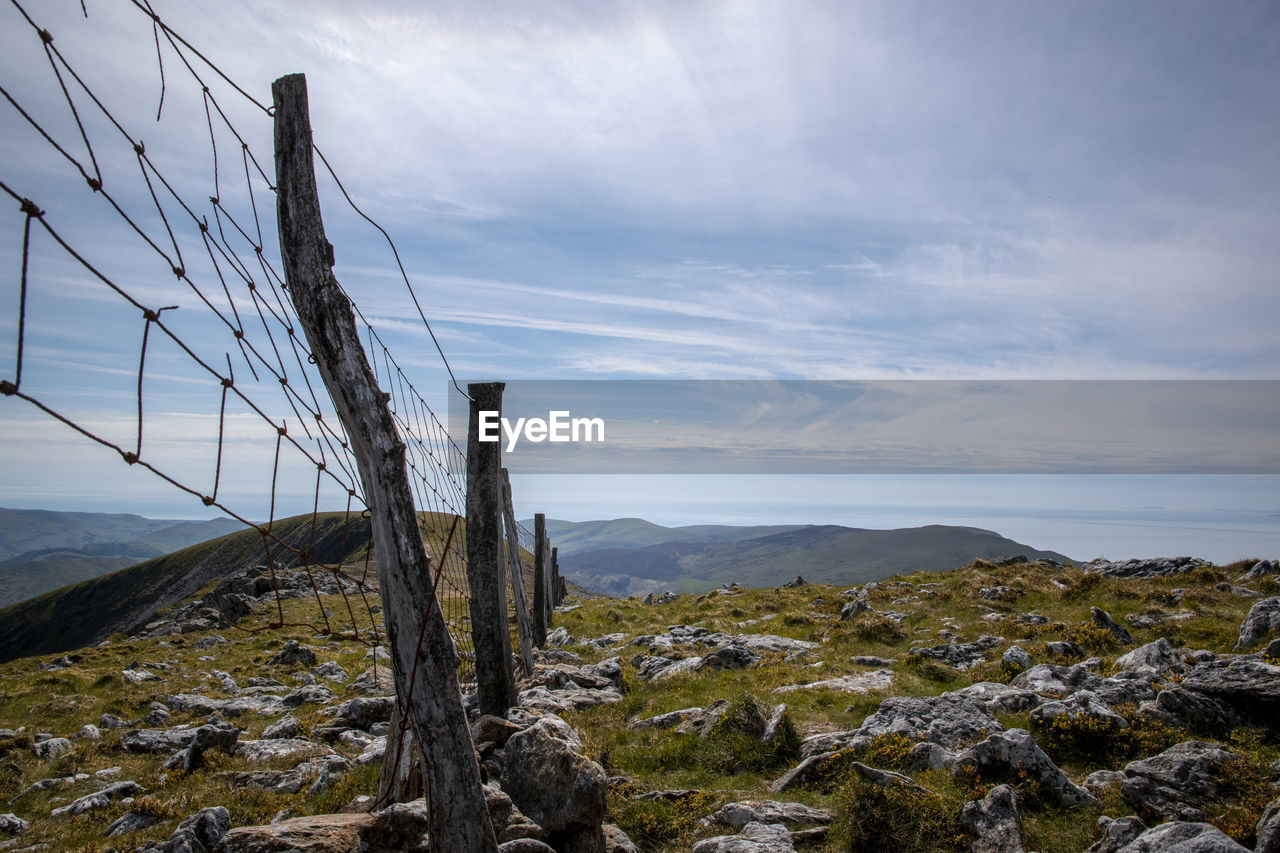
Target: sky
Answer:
pixel 670 191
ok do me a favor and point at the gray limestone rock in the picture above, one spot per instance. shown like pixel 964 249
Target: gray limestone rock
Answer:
pixel 1103 619
pixel 992 822
pixel 1177 782
pixel 1117 833
pixel 1262 622
pixel 949 720
pixel 754 838
pixel 1005 754
pixel 1183 837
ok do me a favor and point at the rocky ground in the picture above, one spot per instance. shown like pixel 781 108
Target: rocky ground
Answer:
pixel 1003 706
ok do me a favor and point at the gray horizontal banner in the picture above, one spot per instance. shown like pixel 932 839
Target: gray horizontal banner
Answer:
pixel 884 427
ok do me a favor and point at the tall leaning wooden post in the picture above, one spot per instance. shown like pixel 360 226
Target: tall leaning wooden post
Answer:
pixel 540 570
pixel 415 626
pixel 495 685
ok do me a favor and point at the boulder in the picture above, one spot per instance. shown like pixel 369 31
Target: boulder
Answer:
pixel 1103 619
pixel 263 750
pixel 1146 568
pixel 1013 752
pixel 1261 569
pixel 374 680
pixel 509 823
pixel 363 712
pixel 739 814
pixel 865 682
pixel 949 720
pixel 331 671
pixel 525 845
pixel 1082 705
pixel 927 756
pixel 730 657
pixel 1117 833
pixel 754 838
pixel 669 720
pixel 199 833
pixel 157 741
pixel 1001 698
pixel 992 822
pixel 293 654
pixel 54 747
pixel 11 824
pixel 1158 656
pixel 853 608
pixel 565 700
pixel 616 841
pixel 1218 694
pixel 1100 781
pixel 1268 829
pixel 130 822
pixel 1016 658
pixel 705 720
pixel 556 787
pixel 959 655
pixel 495 730
pixel 1176 783
pixel 812 768
pixel 887 778
pixel 316 694
pixel 1262 622
pixel 221 736
pixel 285 727
pixel 1182 837
pixel 1054 680
pixel 324 833
pixel 276 781
pixel 98 799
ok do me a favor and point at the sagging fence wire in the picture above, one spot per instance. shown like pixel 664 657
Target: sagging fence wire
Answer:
pixel 218 398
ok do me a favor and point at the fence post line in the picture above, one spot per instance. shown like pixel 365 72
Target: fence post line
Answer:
pixel 423 656
pixel 490 634
pixel 540 570
pixel 516 572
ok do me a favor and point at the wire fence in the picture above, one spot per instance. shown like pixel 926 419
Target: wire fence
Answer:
pixel 163 276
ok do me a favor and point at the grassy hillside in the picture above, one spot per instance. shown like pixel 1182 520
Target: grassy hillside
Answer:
pixel 92 610
pixel 698 774
pixel 820 553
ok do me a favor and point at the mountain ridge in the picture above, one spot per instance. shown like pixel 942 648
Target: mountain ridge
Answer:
pixel 828 553
pixel 43 550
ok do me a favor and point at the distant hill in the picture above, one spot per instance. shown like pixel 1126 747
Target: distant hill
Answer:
pixel 92 610
pixel 574 536
pixel 821 553
pixel 42 550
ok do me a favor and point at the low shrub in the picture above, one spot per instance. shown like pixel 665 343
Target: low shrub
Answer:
pixel 900 819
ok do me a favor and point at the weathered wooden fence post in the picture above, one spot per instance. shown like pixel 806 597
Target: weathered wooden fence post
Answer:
pixel 424 662
pixel 555 578
pixel 548 578
pixel 495 686
pixel 516 572
pixel 540 570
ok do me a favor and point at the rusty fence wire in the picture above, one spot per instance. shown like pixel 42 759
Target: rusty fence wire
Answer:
pixel 149 317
